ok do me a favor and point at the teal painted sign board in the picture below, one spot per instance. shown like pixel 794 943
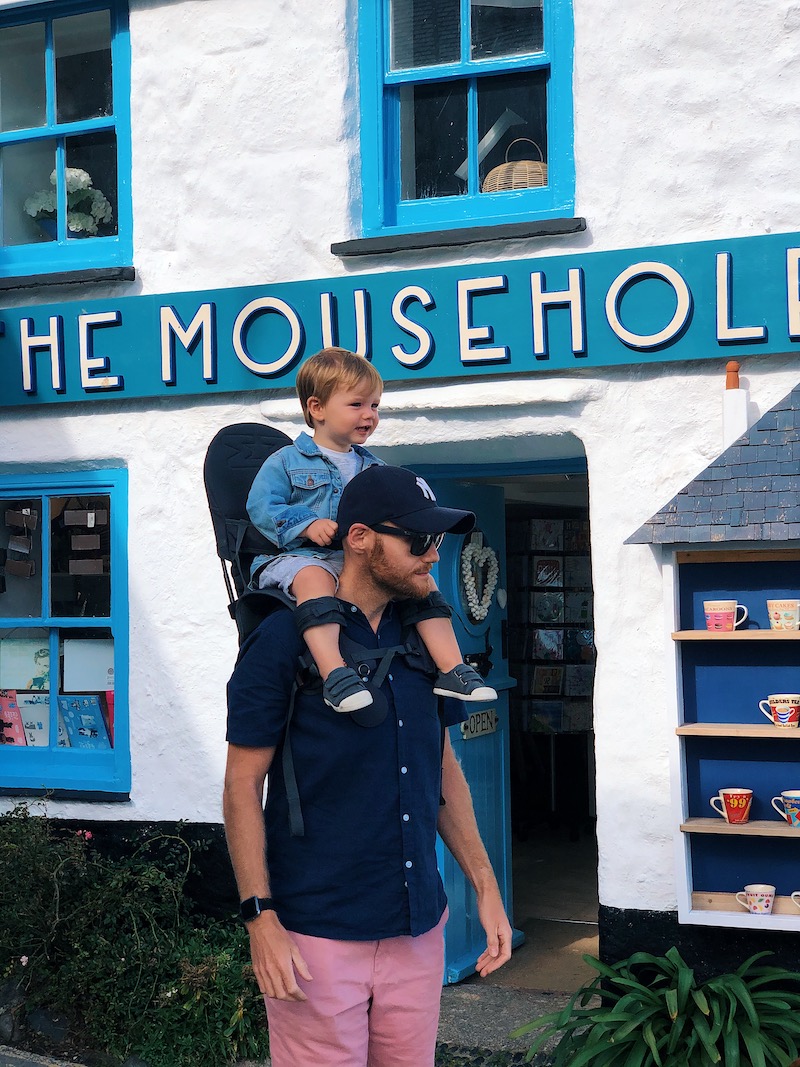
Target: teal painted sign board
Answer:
pixel 704 300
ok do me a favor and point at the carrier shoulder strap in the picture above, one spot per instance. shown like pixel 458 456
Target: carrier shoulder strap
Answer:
pixel 377 661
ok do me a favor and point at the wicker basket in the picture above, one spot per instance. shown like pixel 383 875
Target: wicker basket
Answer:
pixel 520 174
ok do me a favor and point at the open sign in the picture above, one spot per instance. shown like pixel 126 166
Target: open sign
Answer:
pixel 479 723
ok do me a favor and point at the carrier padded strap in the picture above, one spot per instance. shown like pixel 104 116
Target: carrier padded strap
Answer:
pixel 318 612
pixel 296 824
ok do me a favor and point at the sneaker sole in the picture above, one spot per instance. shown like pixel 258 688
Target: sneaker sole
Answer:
pixel 480 695
pixel 353 703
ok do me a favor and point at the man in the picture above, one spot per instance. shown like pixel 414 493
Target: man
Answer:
pixel 338 880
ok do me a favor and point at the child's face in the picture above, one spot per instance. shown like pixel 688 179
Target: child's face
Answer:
pixel 348 418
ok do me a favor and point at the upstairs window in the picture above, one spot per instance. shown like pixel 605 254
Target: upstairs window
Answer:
pixel 64 139
pixel 466 112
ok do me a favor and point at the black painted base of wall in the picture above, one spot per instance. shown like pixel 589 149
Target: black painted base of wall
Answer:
pixel 210 884
pixel 710 950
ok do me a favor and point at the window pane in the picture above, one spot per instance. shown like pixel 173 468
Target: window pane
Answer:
pixel 80 556
pixel 433 139
pixel 21 549
pixel 92 185
pixel 22 85
pixel 425 32
pixel 25 687
pixel 511 108
pixel 29 195
pixel 82 46
pixel 25 659
pixel 86 692
pixel 506 27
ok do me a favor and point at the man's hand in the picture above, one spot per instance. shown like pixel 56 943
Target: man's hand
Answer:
pixel 321 531
pixel 276 958
pixel 498 933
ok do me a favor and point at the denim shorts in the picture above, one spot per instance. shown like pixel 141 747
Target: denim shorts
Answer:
pixel 282 571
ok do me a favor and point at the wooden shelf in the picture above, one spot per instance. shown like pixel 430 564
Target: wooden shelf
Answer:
pixel 754 828
pixel 728 902
pixel 736 635
pixel 738 729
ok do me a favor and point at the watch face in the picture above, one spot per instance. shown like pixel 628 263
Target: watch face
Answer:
pixel 253 906
pixel 249 909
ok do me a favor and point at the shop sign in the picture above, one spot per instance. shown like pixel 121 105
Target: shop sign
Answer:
pixel 707 300
pixel 479 723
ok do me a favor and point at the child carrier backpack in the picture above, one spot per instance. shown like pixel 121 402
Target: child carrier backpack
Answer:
pixel 232 461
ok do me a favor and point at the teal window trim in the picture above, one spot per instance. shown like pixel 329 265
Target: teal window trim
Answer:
pixel 95 252
pixel 383 212
pixel 105 773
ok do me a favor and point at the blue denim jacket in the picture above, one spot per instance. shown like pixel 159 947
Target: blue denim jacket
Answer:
pixel 295 486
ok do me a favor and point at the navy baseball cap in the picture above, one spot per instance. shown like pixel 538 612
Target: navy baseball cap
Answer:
pixel 394 494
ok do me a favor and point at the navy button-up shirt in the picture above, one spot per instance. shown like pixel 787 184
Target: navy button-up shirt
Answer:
pixel 366 867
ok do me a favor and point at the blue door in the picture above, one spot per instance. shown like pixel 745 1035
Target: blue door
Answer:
pixel 482 748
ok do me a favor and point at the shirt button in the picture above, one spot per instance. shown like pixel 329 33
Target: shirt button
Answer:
pixel 399 722
pixel 404 770
pixel 405 818
pixel 390 678
pixel 409 863
pixel 353 607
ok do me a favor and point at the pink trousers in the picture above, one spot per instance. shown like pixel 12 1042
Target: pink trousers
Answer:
pixel 371 1004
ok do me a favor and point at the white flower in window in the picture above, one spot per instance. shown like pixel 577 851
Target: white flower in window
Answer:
pixel 87 207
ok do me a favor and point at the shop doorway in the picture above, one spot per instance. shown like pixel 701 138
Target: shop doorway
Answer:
pixel 543 844
pixel 552 656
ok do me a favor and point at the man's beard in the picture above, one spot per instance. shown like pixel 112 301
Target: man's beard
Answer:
pixel 394 586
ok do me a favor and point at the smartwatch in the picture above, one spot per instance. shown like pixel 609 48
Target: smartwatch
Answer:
pixel 252 907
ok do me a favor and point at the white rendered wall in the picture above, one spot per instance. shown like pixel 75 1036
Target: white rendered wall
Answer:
pixel 245 148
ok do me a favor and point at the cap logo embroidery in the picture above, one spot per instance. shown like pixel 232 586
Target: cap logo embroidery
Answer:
pixel 426 490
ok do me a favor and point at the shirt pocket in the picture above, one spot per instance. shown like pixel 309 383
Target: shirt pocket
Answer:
pixel 313 489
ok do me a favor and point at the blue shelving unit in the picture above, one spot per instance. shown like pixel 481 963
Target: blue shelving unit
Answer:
pixel 724 740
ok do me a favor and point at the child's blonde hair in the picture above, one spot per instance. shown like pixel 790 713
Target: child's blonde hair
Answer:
pixel 330 370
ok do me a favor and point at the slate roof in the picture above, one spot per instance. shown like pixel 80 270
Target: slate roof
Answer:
pixel 750 493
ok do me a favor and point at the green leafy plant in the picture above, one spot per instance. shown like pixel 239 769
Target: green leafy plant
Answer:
pixel 649 1011
pixel 114 944
pixel 87 207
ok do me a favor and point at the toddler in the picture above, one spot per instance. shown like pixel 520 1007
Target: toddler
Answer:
pixel 294 500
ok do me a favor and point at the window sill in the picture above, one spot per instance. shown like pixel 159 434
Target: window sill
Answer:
pixel 70 277
pixel 468 235
pixel 67 794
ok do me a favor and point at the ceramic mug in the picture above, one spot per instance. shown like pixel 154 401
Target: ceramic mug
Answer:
pixel 787 806
pixel 734 804
pixel 782 709
pixel 784 614
pixel 758 898
pixel 723 614
pixel 796 898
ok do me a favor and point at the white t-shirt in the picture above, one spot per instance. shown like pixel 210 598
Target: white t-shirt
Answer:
pixel 349 463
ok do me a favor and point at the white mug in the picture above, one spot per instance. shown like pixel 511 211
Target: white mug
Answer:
pixel 758 898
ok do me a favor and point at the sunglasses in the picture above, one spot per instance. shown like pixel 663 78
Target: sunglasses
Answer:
pixel 418 543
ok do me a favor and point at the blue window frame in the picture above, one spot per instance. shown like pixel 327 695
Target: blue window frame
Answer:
pixel 64 634
pixel 447 88
pixel 64 138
